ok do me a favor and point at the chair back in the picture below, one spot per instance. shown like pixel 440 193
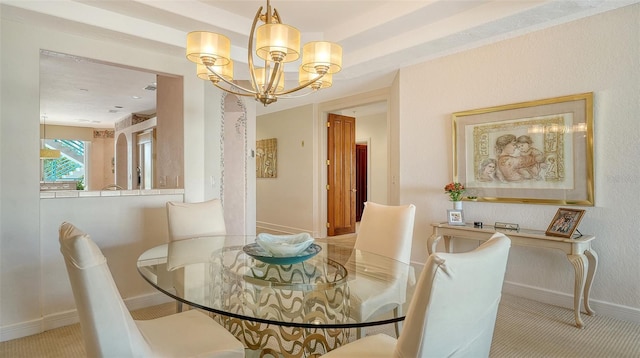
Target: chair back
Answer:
pixel 454 310
pixel 107 327
pixel 387 230
pixel 189 220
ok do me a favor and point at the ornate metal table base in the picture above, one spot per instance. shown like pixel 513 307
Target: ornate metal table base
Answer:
pixel 285 293
pixel 289 342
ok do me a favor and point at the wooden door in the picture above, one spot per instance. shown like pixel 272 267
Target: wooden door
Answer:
pixel 341 175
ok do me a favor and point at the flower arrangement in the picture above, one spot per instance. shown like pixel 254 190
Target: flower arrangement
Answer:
pixel 455 191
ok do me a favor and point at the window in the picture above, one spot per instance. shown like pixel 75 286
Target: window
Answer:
pixel 67 171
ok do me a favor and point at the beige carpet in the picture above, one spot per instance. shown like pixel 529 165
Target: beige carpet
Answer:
pixel 524 328
pixel 527 328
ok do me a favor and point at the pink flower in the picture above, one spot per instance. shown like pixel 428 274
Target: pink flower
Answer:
pixel 455 191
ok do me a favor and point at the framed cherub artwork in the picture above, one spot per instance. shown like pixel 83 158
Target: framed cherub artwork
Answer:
pixel 538 152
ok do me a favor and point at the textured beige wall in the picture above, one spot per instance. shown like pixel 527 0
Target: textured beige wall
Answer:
pixel 292 191
pixel 100 170
pixel 599 54
pixel 169 149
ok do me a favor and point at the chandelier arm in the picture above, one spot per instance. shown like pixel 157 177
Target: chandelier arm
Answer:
pixel 277 16
pixel 301 86
pixel 250 94
pixel 250 55
pixel 288 96
pixel 231 83
pixel 275 77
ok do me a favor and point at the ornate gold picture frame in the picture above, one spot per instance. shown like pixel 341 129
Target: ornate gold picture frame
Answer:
pixel 538 152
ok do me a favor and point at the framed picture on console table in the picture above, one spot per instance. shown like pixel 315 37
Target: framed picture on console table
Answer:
pixel 455 217
pixel 538 152
pixel 565 222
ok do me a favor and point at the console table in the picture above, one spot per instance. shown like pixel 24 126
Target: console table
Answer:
pixel 579 252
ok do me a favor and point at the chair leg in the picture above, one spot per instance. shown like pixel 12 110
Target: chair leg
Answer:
pixel 178 306
pixel 360 332
pixel 398 324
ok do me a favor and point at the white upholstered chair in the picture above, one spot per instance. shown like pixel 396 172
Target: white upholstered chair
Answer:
pixel 109 330
pixel 452 313
pixel 186 221
pixel 388 231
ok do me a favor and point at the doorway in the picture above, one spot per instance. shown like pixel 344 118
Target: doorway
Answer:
pixel 144 168
pixel 371 149
pixel 361 178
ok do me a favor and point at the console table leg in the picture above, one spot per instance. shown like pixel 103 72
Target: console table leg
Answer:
pixel 592 257
pixel 447 244
pixel 580 265
pixel 432 242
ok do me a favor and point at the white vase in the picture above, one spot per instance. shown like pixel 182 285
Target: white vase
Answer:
pixel 457 205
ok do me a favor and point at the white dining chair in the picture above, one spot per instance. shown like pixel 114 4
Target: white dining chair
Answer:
pixel 388 231
pixel 108 330
pixel 186 221
pixel 189 220
pixel 454 309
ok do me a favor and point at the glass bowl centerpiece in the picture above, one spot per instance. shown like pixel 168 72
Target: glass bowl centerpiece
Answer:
pixel 284 245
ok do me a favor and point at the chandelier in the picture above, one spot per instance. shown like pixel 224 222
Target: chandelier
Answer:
pixel 276 44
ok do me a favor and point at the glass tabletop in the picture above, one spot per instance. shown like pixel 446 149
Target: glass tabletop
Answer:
pixel 334 287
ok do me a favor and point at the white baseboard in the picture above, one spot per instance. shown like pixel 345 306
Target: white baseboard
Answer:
pixel 66 318
pixel 148 300
pixel 262 226
pixel 561 299
pixel 19 330
pixel 59 319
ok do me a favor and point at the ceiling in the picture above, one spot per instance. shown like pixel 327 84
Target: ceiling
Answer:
pixel 80 92
pixel 378 38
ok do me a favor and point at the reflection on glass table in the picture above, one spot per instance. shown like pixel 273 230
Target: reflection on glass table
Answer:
pixel 292 309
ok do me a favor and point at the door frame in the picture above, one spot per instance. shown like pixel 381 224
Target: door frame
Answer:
pixel 367 142
pixel 320 151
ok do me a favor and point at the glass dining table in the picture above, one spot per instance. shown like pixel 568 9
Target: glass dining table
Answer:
pixel 282 306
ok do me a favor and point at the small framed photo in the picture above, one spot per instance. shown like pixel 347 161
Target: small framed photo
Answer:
pixel 455 217
pixel 565 222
